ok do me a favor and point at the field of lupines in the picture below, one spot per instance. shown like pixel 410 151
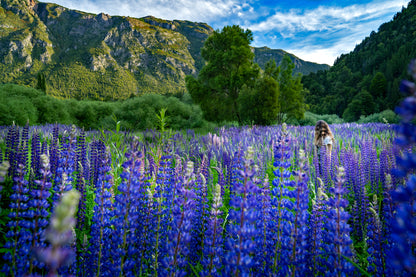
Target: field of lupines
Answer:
pixel 251 201
pixel 238 202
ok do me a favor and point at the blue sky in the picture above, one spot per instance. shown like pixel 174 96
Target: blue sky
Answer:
pixel 314 30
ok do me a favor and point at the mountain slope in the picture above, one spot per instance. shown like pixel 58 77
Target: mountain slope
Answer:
pixel 88 56
pixel 367 79
pixel 264 54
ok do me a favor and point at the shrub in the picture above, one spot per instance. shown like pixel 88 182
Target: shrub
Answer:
pixel 386 116
pixel 51 110
pixel 139 113
pixel 311 119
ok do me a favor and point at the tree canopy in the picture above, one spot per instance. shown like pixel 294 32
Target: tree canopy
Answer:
pixel 231 87
pixel 229 66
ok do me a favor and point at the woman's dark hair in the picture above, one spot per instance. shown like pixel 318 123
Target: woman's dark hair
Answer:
pixel 321 131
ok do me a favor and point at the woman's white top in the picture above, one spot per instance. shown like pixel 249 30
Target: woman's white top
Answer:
pixel 327 140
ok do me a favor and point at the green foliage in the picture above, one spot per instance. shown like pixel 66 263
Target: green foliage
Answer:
pixel 310 119
pixel 378 89
pixel 114 139
pixel 41 85
pixel 362 104
pixel 162 117
pixel 141 113
pixel 16 105
pixel 75 81
pixel 19 104
pixel 386 116
pixel 229 67
pixel 51 110
pixel 376 65
pixel 259 105
pixel 291 97
pixel 277 96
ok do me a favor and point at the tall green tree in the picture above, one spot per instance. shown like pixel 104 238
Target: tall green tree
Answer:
pixel 361 104
pixel 291 97
pixel 259 105
pixel 41 82
pixel 229 66
pixel 378 90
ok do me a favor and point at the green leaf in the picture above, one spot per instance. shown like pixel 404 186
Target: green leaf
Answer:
pixel 194 270
pixel 365 273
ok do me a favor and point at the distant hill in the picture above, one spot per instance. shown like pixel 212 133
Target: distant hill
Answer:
pixel 89 56
pixel 367 79
pixel 264 54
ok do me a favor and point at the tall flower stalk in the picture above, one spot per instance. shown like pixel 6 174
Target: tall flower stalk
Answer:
pixel 337 239
pixel 39 211
pixel 179 236
pixel 243 215
pixel 213 250
pixel 19 233
pixel 60 234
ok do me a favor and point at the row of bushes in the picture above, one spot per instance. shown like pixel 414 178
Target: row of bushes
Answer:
pixel 19 104
pixel 387 116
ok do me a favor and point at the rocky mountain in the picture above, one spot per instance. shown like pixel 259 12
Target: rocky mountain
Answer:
pixel 89 56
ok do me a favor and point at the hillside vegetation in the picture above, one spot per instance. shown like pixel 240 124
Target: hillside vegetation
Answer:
pixel 367 79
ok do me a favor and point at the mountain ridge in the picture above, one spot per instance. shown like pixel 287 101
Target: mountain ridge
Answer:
pixel 98 56
pixel 367 79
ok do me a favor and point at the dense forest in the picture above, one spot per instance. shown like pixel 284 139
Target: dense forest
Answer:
pixel 367 80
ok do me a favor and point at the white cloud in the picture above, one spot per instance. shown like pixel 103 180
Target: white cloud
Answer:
pixel 317 34
pixel 323 55
pixel 323 18
pixel 322 34
pixel 193 10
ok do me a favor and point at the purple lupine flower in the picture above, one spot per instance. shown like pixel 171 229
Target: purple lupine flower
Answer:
pixel 212 249
pixel 98 154
pixel 264 207
pixel 19 234
pixel 60 234
pixel 146 238
pixel 376 242
pixel 201 212
pixel 65 166
pixel 35 160
pixel 125 218
pixel 243 215
pixel 299 263
pixel 338 243
pixel 24 147
pixel 12 147
pixel 54 150
pixel 317 247
pixel 403 224
pixel 39 209
pixel 81 171
pixel 403 229
pixel 99 249
pixel 360 205
pixel 163 196
pixel 282 153
pixel 179 236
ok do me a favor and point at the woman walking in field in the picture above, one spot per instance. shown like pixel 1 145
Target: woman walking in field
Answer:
pixel 323 137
